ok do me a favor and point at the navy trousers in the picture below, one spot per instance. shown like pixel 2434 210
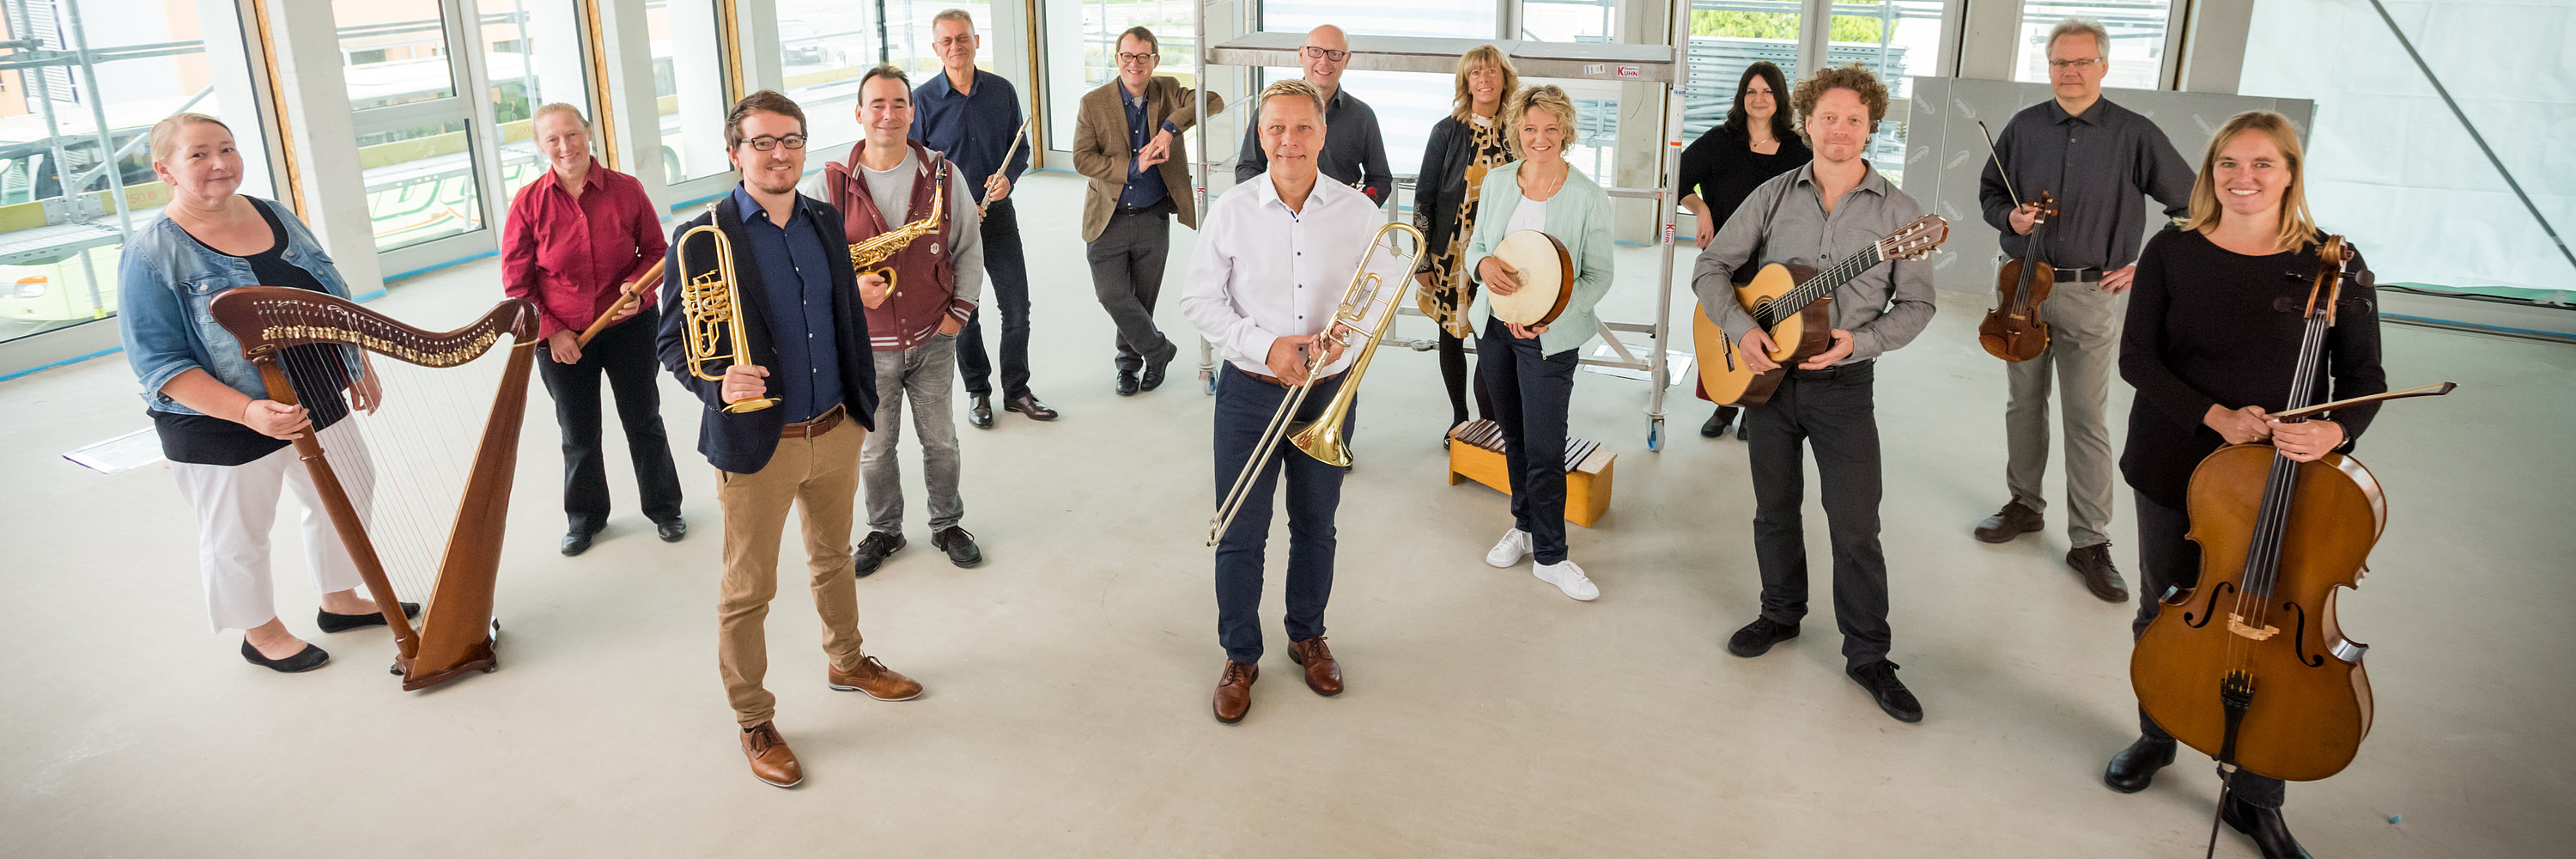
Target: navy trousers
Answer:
pixel 1244 405
pixel 1530 392
pixel 1006 281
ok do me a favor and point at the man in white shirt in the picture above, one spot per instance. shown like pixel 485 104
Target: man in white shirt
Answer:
pixel 1272 263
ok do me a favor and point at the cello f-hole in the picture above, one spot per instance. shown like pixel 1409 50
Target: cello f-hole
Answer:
pixel 2300 638
pixel 2208 609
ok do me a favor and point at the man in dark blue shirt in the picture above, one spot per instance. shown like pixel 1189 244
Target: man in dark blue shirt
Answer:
pixel 973 117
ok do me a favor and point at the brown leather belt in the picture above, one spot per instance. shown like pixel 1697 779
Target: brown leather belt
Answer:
pixel 821 424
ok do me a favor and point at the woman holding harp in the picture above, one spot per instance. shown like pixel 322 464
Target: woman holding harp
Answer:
pixel 579 240
pixel 1529 368
pixel 225 438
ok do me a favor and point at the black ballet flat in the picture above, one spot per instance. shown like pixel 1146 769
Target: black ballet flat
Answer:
pixel 309 658
pixel 344 622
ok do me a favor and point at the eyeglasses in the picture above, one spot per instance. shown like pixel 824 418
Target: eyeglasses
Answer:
pixel 2073 64
pixel 1139 59
pixel 1316 53
pixel 765 142
pixel 953 41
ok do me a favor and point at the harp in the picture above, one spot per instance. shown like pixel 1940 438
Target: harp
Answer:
pixel 439 534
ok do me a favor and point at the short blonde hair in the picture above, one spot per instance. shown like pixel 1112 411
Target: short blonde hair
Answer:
pixel 1480 57
pixel 1851 77
pixel 165 134
pixel 552 108
pixel 1547 97
pixel 2298 228
pixel 1289 88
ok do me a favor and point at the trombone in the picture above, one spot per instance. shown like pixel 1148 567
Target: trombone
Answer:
pixel 714 318
pixel 1366 312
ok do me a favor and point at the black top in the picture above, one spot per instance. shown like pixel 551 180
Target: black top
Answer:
pixel 209 440
pixel 742 443
pixel 2208 326
pixel 1354 152
pixel 1722 168
pixel 2098 165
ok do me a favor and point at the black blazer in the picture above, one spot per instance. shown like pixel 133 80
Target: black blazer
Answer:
pixel 742 443
pixel 1441 183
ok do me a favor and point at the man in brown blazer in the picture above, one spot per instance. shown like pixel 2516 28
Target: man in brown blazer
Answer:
pixel 1128 140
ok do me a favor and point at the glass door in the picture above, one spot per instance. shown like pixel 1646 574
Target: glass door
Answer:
pixel 415 133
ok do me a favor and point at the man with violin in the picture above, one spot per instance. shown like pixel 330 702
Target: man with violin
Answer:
pixel 1827 210
pixel 2096 159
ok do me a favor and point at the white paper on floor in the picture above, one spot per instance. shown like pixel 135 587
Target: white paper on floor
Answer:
pixel 1678 362
pixel 123 453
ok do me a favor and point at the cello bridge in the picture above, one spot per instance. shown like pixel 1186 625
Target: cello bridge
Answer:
pixel 2236 624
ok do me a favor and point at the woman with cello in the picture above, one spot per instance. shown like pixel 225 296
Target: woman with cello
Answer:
pixel 2216 335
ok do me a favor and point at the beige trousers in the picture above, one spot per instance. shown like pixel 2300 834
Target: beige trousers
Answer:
pixel 819 477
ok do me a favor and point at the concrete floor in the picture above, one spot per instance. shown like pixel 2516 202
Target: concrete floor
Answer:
pixel 1067 712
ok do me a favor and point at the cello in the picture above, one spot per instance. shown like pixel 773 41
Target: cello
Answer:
pixel 2249 665
pixel 2013 330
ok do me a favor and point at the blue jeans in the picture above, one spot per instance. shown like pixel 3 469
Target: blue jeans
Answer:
pixel 1244 406
pixel 926 375
pixel 1530 393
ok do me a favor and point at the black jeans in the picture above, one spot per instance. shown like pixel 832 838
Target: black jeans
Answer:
pixel 2166 559
pixel 1006 281
pixel 1127 275
pixel 625 352
pixel 1454 374
pixel 1530 392
pixel 1834 409
pixel 1244 406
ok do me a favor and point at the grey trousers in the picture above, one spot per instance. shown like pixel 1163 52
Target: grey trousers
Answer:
pixel 924 374
pixel 1127 276
pixel 2083 344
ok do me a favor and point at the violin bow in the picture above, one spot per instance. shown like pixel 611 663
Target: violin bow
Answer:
pixel 2433 390
pixel 632 293
pixel 1998 158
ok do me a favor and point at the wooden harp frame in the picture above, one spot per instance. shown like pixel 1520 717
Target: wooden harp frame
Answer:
pixel 455 632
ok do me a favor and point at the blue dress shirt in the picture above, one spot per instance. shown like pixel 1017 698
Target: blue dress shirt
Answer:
pixel 1144 187
pixel 797 283
pixel 972 129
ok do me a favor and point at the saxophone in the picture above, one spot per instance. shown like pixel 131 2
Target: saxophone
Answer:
pixel 869 255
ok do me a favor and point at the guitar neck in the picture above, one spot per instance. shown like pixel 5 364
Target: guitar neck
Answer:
pixel 1824 283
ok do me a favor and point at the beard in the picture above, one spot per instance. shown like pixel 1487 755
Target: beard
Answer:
pixel 762 185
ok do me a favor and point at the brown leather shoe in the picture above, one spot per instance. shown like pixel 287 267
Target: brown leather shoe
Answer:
pixel 1322 673
pixel 1234 691
pixel 2012 521
pixel 771 761
pixel 874 679
pixel 2094 562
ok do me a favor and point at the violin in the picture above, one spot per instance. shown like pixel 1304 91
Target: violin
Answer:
pixel 2250 665
pixel 2013 330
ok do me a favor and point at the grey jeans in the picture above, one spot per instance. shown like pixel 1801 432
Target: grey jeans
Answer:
pixel 2083 344
pixel 924 374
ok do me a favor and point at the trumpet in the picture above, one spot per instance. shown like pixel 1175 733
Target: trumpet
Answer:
pixel 1366 312
pixel 714 318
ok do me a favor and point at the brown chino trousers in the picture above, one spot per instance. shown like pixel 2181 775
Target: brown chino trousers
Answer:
pixel 819 476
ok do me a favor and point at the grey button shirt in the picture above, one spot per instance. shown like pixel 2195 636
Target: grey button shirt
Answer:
pixel 2098 165
pixel 1785 221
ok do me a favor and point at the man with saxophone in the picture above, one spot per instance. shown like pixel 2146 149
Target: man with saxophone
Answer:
pixel 923 294
pixel 1272 266
pixel 790 395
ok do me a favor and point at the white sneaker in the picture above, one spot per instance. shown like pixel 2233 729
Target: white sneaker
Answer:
pixel 1568 578
pixel 1514 546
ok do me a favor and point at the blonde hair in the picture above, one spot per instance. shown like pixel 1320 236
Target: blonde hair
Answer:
pixel 552 108
pixel 1482 56
pixel 1290 88
pixel 165 134
pixel 2298 228
pixel 1547 97
pixel 1851 77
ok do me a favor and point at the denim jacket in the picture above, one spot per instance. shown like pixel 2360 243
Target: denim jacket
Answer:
pixel 165 282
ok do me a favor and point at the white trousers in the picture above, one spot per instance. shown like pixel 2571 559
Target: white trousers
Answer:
pixel 237 507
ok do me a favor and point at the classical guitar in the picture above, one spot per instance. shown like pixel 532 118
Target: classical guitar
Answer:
pixel 1794 305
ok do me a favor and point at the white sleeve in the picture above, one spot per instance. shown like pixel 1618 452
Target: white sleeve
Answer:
pixel 1207 295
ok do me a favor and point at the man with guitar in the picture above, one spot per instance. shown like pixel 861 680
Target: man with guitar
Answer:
pixel 1834 207
pixel 2098 159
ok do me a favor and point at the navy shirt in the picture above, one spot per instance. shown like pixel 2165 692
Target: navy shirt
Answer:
pixel 796 281
pixel 1144 187
pixel 972 129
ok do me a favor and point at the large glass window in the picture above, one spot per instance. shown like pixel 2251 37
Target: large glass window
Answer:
pixel 1407 104
pixel 1726 36
pixel 534 54
pixel 823 48
pixel 1082 41
pixel 415 137
pixel 1569 20
pixel 1897 40
pixel 690 82
pixel 76 180
pixel 2136 52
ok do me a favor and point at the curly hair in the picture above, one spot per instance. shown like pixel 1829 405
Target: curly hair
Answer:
pixel 1851 77
pixel 1546 97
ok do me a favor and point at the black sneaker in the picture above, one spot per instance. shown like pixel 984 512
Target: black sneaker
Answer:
pixel 1880 679
pixel 872 550
pixel 959 545
pixel 1757 637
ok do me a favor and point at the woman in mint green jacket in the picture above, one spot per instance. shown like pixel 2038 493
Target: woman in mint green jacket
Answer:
pixel 1530 370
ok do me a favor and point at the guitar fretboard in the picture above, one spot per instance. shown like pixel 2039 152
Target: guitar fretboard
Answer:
pixel 1772 312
